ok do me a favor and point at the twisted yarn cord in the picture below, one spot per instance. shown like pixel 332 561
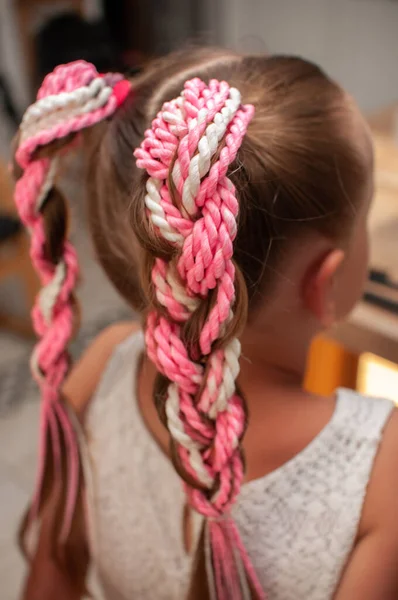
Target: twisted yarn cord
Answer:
pixel 202 113
pixel 205 416
pixel 71 98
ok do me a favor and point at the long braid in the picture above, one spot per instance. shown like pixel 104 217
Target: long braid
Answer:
pixel 196 276
pixel 70 99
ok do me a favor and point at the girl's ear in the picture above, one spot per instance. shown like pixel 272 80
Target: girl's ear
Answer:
pixel 319 287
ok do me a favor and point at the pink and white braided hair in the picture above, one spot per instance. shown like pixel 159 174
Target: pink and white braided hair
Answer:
pixel 205 416
pixel 73 97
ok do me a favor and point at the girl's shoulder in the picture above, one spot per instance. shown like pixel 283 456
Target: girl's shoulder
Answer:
pixel 86 374
pixel 371 571
pixel 381 499
pixel 362 416
pixel 366 433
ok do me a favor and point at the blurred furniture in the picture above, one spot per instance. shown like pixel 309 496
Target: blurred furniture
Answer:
pixel 7 103
pixel 14 258
pixel 370 328
pixel 330 365
pixel 26 13
pixel 67 37
pixel 131 28
pixel 333 361
pixel 377 377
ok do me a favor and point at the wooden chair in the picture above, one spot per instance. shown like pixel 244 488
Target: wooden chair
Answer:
pixel 14 258
pixel 330 365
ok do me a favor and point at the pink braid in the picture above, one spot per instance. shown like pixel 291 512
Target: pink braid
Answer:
pixel 205 416
pixel 70 99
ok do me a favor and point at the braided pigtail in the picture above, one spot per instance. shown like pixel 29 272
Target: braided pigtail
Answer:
pixel 70 99
pixel 191 331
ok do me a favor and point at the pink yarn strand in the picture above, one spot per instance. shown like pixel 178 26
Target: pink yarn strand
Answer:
pixel 225 569
pixel 246 561
pixel 226 550
pixel 72 457
pixel 46 426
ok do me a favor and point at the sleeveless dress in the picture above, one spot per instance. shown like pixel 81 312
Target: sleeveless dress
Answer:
pixel 298 523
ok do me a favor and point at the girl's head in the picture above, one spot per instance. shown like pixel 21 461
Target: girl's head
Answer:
pixel 303 176
pixel 244 216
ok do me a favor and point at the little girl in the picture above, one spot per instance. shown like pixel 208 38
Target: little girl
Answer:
pixel 228 198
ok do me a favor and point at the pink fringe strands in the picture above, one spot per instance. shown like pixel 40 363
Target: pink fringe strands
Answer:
pixel 73 97
pixel 205 415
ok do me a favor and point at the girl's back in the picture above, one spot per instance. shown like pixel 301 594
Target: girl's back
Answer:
pixel 239 234
pixel 299 522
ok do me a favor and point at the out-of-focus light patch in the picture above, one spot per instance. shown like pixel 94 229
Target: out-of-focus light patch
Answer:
pixel 377 377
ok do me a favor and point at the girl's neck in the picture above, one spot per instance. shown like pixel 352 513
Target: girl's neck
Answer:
pixel 283 418
pixel 269 369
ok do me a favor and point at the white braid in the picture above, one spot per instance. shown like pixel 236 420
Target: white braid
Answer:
pixel 199 165
pixel 176 429
pixel 231 370
pixel 50 104
pixel 178 291
pixel 161 290
pixel 48 295
pixel 207 147
pixel 34 365
pixel 158 218
pixel 47 184
pixel 176 117
pixel 51 119
pixel 153 186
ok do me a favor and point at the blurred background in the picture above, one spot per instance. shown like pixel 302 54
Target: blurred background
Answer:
pixel 355 41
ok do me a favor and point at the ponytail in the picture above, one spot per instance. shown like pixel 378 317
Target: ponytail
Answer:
pixel 197 299
pixel 70 99
pixel 199 304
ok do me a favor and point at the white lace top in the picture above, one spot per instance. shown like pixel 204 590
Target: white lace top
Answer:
pixel 298 523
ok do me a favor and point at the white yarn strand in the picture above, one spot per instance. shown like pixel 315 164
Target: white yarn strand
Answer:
pixel 34 365
pixel 158 217
pixel 176 429
pixel 179 292
pixel 54 102
pixel 46 300
pixel 47 184
pixel 48 295
pixel 231 370
pixel 57 116
pixel 207 147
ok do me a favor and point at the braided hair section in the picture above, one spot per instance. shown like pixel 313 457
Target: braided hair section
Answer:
pixel 73 97
pixel 191 204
